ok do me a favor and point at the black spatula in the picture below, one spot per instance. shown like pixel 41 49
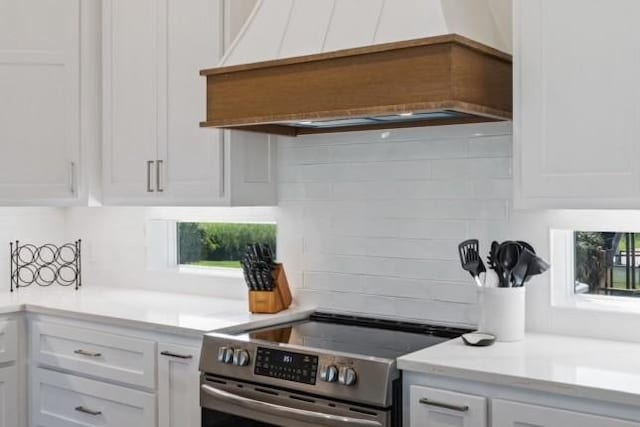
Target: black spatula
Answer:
pixel 469 252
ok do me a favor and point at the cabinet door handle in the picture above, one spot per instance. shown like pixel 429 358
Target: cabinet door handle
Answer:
pixel 87 353
pixel 176 355
pixel 72 184
pixel 149 164
pixel 88 411
pixel 159 171
pixel 429 402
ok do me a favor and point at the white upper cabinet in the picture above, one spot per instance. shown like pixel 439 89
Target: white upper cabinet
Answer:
pixel 154 152
pixel 577 109
pixel 130 98
pixel 45 84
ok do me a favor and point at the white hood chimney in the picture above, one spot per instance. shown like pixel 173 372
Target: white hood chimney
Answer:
pixel 287 28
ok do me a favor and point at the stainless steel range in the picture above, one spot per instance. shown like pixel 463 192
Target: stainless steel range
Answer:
pixel 327 370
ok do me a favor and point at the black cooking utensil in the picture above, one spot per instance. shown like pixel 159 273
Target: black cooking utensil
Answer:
pixel 537 266
pixel 493 263
pixel 520 271
pixel 526 245
pixel 493 253
pixel 470 259
pixel 507 258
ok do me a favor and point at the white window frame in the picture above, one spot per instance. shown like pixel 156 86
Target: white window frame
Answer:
pixel 162 238
pixel 563 278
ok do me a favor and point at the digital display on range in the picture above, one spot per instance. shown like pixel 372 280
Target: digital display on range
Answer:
pixel 286 365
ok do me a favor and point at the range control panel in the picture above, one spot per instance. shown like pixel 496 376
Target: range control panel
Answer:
pixel 286 365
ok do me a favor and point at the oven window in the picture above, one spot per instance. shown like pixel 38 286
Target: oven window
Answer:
pixel 218 419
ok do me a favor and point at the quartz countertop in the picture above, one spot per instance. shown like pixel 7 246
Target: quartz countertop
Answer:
pixel 579 367
pixel 160 311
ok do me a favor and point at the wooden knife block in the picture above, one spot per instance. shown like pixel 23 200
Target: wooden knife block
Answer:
pixel 272 301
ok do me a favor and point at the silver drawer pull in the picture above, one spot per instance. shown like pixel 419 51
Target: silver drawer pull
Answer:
pixel 88 411
pixel 149 164
pixel 459 408
pixel 159 170
pixel 176 355
pixel 87 353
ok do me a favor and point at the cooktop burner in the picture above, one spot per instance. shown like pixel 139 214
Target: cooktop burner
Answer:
pixel 357 335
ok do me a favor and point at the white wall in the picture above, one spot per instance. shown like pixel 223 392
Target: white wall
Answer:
pixel 119 245
pixel 29 225
pixel 370 221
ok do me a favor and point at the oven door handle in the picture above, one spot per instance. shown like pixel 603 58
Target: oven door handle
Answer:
pixel 289 413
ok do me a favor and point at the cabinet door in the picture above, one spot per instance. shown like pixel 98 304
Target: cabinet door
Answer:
pixel 8 341
pixel 8 397
pixel 430 407
pixel 130 100
pixel 512 414
pixel 191 168
pixel 178 386
pixel 577 109
pixel 39 100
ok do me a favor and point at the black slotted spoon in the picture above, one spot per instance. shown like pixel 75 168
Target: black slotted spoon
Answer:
pixel 470 259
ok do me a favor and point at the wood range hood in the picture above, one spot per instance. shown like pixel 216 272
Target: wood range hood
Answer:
pixel 440 80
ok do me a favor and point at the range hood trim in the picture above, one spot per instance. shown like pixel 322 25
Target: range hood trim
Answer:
pixel 357 51
pixel 455 101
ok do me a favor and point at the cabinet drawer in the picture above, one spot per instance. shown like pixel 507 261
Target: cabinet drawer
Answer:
pixel 65 400
pixel 515 414
pixel 430 407
pixel 8 341
pixel 113 357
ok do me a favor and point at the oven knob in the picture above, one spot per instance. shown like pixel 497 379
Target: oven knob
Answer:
pixel 225 355
pixel 241 357
pixel 329 373
pixel 347 376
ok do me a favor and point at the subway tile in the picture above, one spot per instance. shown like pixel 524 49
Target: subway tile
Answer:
pixel 377 220
pixel 492 146
pixel 471 168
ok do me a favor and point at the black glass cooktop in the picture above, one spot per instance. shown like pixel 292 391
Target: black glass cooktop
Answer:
pixel 358 335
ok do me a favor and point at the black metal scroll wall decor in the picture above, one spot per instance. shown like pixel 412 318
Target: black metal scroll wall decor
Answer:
pixel 45 265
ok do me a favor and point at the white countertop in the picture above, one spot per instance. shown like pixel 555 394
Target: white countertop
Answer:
pixel 579 367
pixel 160 311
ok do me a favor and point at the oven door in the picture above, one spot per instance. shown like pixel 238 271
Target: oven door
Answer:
pixel 229 403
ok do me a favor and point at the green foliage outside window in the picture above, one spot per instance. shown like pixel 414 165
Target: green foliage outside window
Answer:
pixel 220 244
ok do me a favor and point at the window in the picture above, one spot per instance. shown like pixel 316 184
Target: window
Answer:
pixel 607 263
pixel 219 245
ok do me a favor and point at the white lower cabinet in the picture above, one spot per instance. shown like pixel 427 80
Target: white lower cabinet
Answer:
pixel 514 414
pixel 430 407
pixel 87 374
pixel 438 401
pixel 61 400
pixel 8 397
pixel 178 386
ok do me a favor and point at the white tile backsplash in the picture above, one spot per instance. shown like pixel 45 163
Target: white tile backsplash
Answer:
pixel 377 221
